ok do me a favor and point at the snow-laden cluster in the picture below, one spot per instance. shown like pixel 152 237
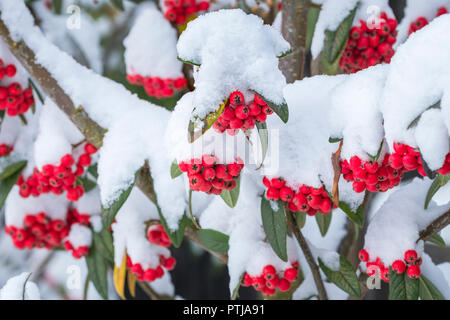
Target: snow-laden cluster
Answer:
pixel 20 288
pixel 150 47
pixel 230 59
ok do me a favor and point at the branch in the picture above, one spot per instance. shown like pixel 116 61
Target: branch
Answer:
pixel 93 132
pixel 308 255
pixel 434 227
pixel 294 28
pixel 335 161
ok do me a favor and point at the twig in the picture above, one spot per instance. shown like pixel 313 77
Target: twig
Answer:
pixel 335 161
pixel 152 293
pixel 86 287
pixel 435 226
pixel 194 221
pixel 308 255
pixel 25 285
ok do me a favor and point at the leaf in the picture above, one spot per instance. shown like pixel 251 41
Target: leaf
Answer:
pixel 104 243
pixel 335 41
pixel 323 221
pixel 120 276
pixel 281 110
pixel 97 269
pixel 236 290
pixel 118 4
pixel 109 214
pixel 334 140
pixel 175 170
pixel 275 227
pixel 131 281
pixel 300 218
pixel 214 240
pixel 57 6
pixel 176 236
pixel 198 127
pixel 189 62
pixel 7 184
pixel 93 170
pixel 430 173
pixel 12 169
pixel 401 287
pixel 357 217
pixel 427 290
pixel 345 278
pixel 437 239
pixel 438 182
pixel 375 157
pixel 284 54
pixel 231 196
pixel 264 138
pixel 88 184
pixel 24 287
pixel 35 89
pixel 313 16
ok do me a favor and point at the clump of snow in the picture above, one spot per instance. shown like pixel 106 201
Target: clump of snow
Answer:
pixel 354 114
pixel 89 203
pixel 150 47
pixel 395 227
pixel 80 235
pixel 15 287
pixel 231 59
pixel 129 232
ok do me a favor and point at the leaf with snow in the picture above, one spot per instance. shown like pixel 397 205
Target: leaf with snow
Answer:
pixel 176 236
pixel 109 213
pixel 8 183
pixel 274 223
pixel 345 278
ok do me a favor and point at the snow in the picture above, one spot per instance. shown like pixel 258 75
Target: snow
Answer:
pixel 14 289
pixel 150 47
pixel 80 235
pixel 417 79
pixel 89 203
pixel 231 59
pixel 129 232
pixel 307 290
pixel 436 275
pixel 395 227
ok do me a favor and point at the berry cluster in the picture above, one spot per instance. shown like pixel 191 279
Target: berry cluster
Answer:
pixel 407 158
pixel 15 100
pixel 421 22
pixel 238 115
pixel 5 149
pixel 369 45
pixel 158 236
pixel 57 179
pixel 208 176
pixel 308 199
pixel 370 175
pixel 177 11
pixel 271 279
pixel 411 264
pixel 158 87
pixel 74 217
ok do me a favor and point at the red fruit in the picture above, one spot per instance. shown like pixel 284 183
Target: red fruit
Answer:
pixel 371 167
pixel 15 89
pixel 413 272
pixel 299 199
pixel 209 174
pixel 410 162
pixel 195 166
pixel 441 11
pixel 242 112
pixel 259 100
pixel 234 169
pixel 209 160
pixel 290 274
pixel 222 173
pixel 284 285
pixel 266 182
pixel 286 194
pixel 396 161
pixel 325 206
pixel 305 189
pixel 183 166
pixel 229 185
pixel 169 263
pixel 84 160
pixel 57 225
pixel 314 201
pixel 262 117
pixel 90 148
pixel 359 186
pixel 363 255
pixel 398 266
pixel 195 181
pixel 254 108
pixel 410 256
pixel 10 70
pixel 203 6
pixel 355 33
pixel 236 98
pixel 359 174
pixel 385 29
pixel 246 280
pixel 355 162
pixel 273 193
pixel 72 194
pixel 171 15
pixel 269 272
pixel 236 123
pixel 363 43
pixel 278 183
pixel 218 184
pixel 267 110
pixel 228 113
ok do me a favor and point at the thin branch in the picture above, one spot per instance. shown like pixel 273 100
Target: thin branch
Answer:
pixel 435 226
pixel 308 255
pixel 294 28
pixel 335 161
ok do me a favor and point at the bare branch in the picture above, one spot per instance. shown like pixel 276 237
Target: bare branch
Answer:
pixel 335 161
pixel 434 227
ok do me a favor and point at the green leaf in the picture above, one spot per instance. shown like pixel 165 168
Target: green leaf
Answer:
pixel 88 184
pixel 357 217
pixel 12 169
pixel 323 221
pixel 118 4
pixel 345 278
pixel 214 240
pixel 198 127
pixel 375 157
pixel 401 287
pixel 189 62
pixel 93 170
pixel 97 269
pixel 427 290
pixel 313 16
pixel 231 196
pixel 281 110
pixel 104 243
pixel 334 140
pixel 438 182
pixel 175 170
pixel 108 214
pixel 236 290
pixel 437 239
pixel 264 137
pixel 176 236
pixel 300 218
pixel 8 183
pixel 335 41
pixel 38 92
pixel 57 6
pixel 275 227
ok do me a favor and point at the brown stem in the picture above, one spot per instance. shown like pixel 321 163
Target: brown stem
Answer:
pixel 294 28
pixel 308 255
pixel 335 160
pixel 434 227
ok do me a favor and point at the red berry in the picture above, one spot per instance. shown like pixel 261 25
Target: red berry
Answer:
pixel 284 285
pixel 290 274
pixel 286 194
pixel 269 272
pixel 273 193
pixel 236 98
pixel 242 112
pixel 398 266
pixel 363 255
pixel 84 160
pixel 89 148
pixel 413 272
pixel 410 256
